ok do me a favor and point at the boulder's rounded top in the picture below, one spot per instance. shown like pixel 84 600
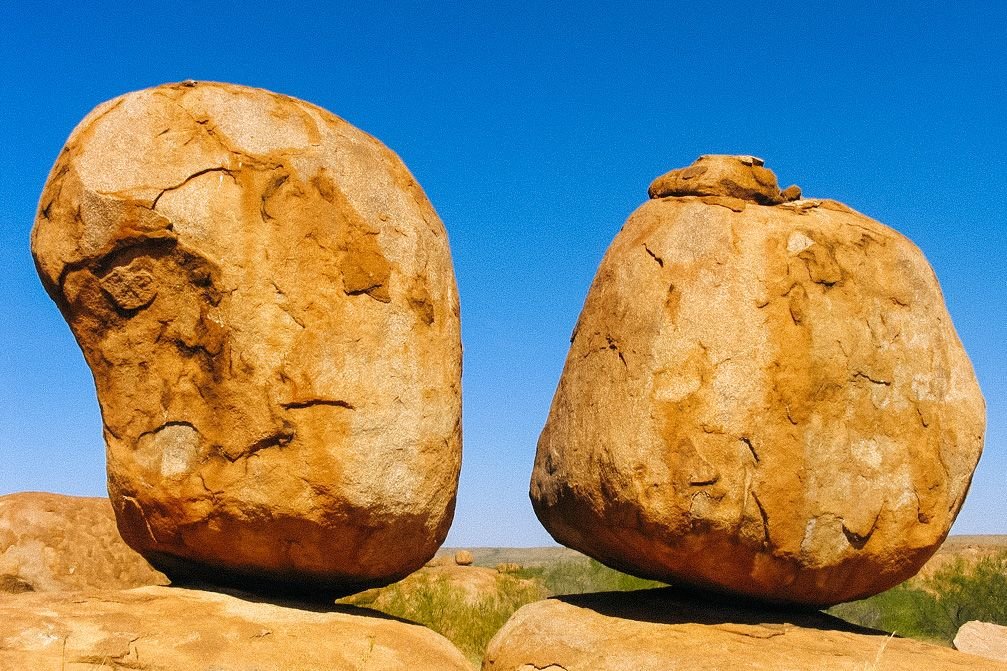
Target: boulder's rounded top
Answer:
pixel 742 177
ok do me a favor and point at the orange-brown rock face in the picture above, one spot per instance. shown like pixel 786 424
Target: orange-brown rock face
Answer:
pixel 762 399
pixel 54 543
pixel 176 629
pixel 742 177
pixel 660 629
pixel 266 299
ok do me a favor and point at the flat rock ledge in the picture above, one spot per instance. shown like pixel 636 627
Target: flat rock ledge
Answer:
pixel 665 630
pixel 168 629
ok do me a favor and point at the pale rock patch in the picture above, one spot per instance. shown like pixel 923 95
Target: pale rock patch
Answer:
pixel 983 639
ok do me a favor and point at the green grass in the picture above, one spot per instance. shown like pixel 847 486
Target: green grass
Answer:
pixel 932 609
pixel 580 576
pixel 470 623
pixel 929 609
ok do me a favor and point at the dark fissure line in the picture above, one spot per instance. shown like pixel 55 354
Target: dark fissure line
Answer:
pixel 870 379
pixel 309 403
pixel 748 441
pixel 654 256
pixel 153 204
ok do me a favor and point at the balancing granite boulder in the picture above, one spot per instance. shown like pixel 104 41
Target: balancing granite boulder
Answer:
pixel 763 396
pixel 266 299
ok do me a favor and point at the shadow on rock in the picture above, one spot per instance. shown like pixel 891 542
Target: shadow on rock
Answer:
pixel 676 605
pixel 670 628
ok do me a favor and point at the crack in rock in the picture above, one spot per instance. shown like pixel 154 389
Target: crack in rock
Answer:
pixel 153 203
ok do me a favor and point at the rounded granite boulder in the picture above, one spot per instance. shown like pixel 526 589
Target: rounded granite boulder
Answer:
pixel 764 395
pixel 266 299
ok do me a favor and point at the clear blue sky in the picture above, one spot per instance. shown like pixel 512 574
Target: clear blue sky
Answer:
pixel 535 131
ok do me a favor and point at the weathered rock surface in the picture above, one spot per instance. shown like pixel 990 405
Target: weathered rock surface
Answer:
pixel 767 400
pixel 463 558
pixel 51 542
pixel 266 299
pixel 174 629
pixel 983 639
pixel 657 630
pixel 741 177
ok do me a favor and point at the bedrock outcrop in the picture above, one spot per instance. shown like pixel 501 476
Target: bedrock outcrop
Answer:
pixel 667 631
pixel 266 299
pixel 51 542
pixel 175 629
pixel 762 396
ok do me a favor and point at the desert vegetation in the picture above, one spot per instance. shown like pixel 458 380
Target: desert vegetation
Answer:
pixel 929 608
pixel 934 607
pixel 470 621
pixel 579 576
pixel 467 621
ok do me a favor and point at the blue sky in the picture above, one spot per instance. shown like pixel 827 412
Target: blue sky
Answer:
pixel 535 131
